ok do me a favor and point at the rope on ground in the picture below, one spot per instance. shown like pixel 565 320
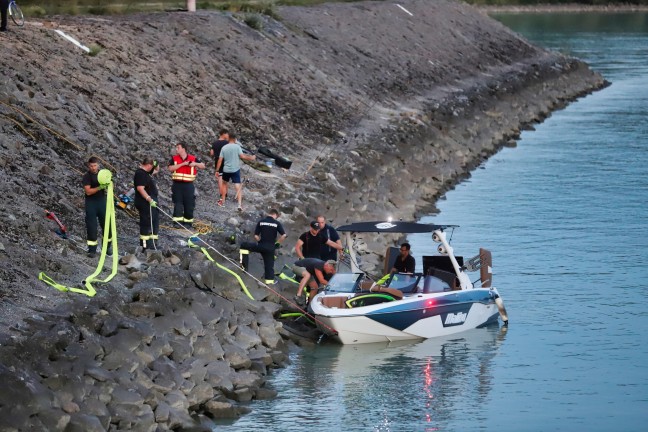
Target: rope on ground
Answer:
pixel 50 130
pixel 201 227
pixel 25 131
pixel 208 246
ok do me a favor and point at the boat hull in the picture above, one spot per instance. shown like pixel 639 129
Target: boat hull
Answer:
pixel 421 316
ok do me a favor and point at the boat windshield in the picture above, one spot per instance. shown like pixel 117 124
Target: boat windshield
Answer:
pixel 344 282
pixel 404 282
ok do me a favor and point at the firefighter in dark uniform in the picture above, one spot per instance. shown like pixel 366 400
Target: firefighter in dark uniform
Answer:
pixel 265 235
pixel 146 203
pixel 95 205
pixel 184 167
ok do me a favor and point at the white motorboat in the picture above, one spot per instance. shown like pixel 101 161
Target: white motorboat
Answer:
pixel 440 301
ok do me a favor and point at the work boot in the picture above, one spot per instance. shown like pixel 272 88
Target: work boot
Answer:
pixel 299 300
pixel 92 251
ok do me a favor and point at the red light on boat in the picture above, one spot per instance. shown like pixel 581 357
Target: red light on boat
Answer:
pixel 429 303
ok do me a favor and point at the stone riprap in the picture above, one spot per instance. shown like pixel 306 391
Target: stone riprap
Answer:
pixel 381 108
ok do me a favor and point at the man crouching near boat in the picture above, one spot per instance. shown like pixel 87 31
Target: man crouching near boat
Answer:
pixel 314 272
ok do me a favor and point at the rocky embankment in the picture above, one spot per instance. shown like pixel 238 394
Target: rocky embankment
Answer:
pixel 381 107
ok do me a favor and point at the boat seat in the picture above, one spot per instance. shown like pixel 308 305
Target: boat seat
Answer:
pixel 337 302
pixel 396 293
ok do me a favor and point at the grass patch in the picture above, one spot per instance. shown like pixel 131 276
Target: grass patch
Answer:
pixel 254 21
pixel 95 50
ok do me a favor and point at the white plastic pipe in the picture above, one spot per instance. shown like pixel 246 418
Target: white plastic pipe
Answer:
pixel 74 41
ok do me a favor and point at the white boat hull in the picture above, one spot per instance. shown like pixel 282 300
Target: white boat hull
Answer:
pixel 419 316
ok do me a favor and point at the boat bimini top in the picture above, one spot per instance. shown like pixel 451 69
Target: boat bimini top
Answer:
pixel 393 227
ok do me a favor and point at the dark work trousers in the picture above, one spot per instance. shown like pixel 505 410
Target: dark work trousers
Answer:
pixel 148 214
pixel 4 4
pixel 267 252
pixel 184 201
pixel 95 211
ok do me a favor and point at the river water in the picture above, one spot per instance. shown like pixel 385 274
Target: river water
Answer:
pixel 564 214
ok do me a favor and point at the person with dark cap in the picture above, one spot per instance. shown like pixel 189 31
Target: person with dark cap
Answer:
pixel 183 192
pixel 95 205
pixel 311 243
pixel 265 234
pixel 146 203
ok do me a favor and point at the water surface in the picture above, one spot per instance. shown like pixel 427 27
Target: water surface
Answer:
pixel 564 214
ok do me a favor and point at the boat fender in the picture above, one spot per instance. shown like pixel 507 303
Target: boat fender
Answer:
pixel 500 307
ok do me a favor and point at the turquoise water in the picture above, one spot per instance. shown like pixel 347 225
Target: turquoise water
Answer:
pixel 564 214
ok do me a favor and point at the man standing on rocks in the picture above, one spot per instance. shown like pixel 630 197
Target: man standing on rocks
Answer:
pixel 217 146
pixel 183 192
pixel 314 272
pixel 95 205
pixel 312 242
pixel 265 235
pixel 230 159
pixel 145 202
pixel 329 233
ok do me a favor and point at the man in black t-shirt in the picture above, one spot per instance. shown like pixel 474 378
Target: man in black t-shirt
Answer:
pixel 95 205
pixel 329 233
pixel 311 243
pixel 146 195
pixel 405 263
pixel 265 235
pixel 314 272
pixel 217 146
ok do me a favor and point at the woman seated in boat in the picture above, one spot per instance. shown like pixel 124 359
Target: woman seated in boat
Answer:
pixel 314 272
pixel 405 262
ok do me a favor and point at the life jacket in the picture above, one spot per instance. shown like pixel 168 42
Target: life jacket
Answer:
pixel 185 173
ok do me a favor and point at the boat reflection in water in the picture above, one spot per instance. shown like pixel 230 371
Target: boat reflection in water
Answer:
pixel 407 385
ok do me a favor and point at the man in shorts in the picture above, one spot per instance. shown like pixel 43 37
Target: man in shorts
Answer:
pixel 314 272
pixel 230 159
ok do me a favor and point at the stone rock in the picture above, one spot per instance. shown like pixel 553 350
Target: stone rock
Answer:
pixel 264 393
pixel 70 407
pixel 80 422
pixel 123 396
pixel 162 412
pixel 246 337
pixel 209 348
pixel 200 394
pixel 97 408
pixel 176 399
pixel 182 349
pixel 269 336
pixel 179 419
pixel 98 374
pixel 237 356
pixel 54 419
pixel 221 410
